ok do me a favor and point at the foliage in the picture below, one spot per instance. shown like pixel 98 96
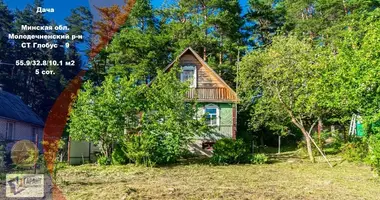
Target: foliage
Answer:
pixel 230 151
pixel 283 75
pixel 374 151
pixel 355 151
pixel 152 122
pixel 332 142
pixel 264 17
pixel 259 159
pixel 167 123
pixel 102 160
pixel 39 92
pixel 102 114
pixel 140 150
pixel 119 156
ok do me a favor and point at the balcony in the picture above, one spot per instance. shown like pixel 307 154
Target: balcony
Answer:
pixel 211 94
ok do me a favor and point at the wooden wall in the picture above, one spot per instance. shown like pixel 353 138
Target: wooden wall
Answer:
pixel 204 77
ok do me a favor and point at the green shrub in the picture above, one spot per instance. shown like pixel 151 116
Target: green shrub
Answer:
pixel 139 150
pixel 154 148
pixel 355 151
pixel 187 154
pixel 230 151
pixel 374 151
pixel 334 144
pixel 259 159
pixel 103 161
pixel 119 156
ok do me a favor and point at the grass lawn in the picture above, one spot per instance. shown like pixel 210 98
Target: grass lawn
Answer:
pixel 287 178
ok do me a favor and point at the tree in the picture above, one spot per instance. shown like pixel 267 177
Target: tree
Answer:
pixel 155 122
pixel 6 48
pixel 139 48
pixel 284 75
pixel 211 27
pixel 6 28
pixel 111 19
pixel 264 18
pixel 168 123
pixel 356 62
pixel 100 112
pixel 322 20
pixel 80 23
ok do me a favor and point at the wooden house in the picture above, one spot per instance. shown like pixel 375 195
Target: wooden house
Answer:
pixel 215 98
pixel 18 121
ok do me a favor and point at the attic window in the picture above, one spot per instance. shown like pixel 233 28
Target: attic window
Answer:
pixel 189 73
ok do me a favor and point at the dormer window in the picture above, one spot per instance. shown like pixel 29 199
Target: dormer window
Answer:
pixel 189 73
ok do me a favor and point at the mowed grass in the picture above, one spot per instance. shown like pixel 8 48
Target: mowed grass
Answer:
pixel 287 178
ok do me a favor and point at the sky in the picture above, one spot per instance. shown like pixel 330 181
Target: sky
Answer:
pixel 62 7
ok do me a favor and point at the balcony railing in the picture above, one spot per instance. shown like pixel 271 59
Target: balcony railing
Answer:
pixel 203 94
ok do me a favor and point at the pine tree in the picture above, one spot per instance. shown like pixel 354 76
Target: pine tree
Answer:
pixel 138 48
pixel 80 23
pixel 211 27
pixel 264 18
pixel 6 49
pixel 29 85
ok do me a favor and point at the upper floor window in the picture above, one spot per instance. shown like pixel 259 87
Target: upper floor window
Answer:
pixel 212 115
pixel 10 129
pixel 189 73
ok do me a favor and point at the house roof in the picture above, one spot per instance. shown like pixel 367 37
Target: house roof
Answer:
pixel 12 107
pixel 205 65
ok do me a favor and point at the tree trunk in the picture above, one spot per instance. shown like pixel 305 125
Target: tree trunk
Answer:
pixel 308 145
pixel 307 138
pixel 320 127
pixel 279 144
pixel 204 9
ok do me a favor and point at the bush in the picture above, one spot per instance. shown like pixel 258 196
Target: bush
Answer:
pixel 374 151
pixel 103 161
pixel 355 151
pixel 230 151
pixel 119 156
pixel 187 154
pixel 334 143
pixel 259 159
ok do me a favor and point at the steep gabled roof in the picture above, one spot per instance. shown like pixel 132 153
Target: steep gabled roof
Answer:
pixel 12 107
pixel 205 65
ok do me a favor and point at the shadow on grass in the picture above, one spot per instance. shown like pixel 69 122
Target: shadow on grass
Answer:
pixel 89 183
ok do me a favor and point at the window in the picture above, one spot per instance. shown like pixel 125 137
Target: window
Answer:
pixel 189 73
pixel 212 115
pixel 10 128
